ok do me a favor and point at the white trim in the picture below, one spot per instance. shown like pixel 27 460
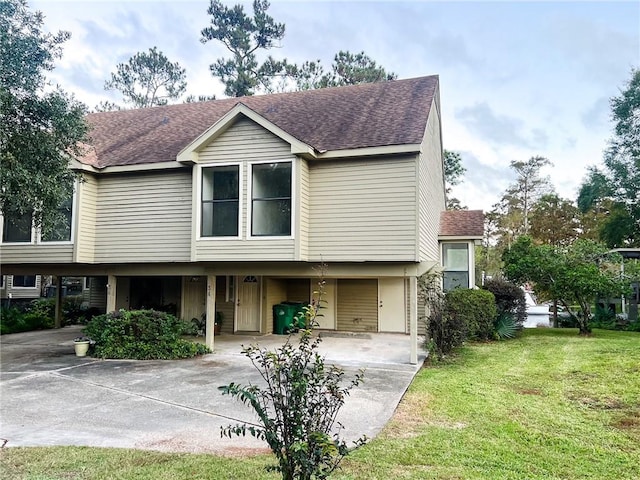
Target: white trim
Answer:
pixel 20 287
pixel 249 232
pixel 32 240
pixel 198 226
pixel 370 151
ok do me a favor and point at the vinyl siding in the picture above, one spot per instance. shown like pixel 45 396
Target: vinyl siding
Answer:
pixel 303 210
pixel 98 293
pixel 431 187
pixel 357 309
pixel 21 292
pixel 245 142
pixel 363 210
pixel 30 253
pixel 274 292
pixel 86 222
pixel 144 218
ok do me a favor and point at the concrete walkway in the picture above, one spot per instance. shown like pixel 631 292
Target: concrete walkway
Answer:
pixel 48 396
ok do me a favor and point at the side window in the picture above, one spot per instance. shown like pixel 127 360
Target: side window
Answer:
pixel 220 201
pixel 456 265
pixel 17 229
pixel 24 281
pixel 58 228
pixel 271 199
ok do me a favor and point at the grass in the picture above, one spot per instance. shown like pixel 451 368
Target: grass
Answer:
pixel 548 405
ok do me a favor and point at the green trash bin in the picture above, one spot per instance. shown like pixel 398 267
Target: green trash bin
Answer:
pixel 283 318
pixel 299 317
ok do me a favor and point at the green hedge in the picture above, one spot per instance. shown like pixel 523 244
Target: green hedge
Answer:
pixel 475 309
pixel 141 335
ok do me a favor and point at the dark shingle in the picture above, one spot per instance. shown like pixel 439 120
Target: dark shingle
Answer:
pixel 462 223
pixel 368 115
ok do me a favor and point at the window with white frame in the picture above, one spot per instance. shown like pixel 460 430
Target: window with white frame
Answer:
pixel 456 266
pixel 24 281
pixel 17 229
pixel 57 228
pixel 271 199
pixel 220 201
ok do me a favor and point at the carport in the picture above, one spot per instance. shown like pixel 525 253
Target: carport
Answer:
pixel 52 397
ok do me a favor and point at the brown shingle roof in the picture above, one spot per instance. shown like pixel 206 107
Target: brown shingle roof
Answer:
pixel 368 115
pixel 462 223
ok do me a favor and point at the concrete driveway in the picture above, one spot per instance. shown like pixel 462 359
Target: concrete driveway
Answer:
pixel 51 397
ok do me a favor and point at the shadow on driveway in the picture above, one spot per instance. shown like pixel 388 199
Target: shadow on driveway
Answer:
pixel 51 397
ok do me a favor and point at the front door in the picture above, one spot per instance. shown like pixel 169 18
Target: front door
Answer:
pixel 248 304
pixel 391 305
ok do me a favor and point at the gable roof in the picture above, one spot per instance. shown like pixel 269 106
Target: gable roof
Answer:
pixel 339 118
pixel 462 223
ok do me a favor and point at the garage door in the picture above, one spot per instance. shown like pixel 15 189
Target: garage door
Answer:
pixel 357 306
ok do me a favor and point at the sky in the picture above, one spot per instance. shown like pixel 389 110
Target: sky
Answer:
pixel 517 79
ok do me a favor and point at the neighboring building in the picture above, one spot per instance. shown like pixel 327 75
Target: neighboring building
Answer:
pixel 231 205
pixel 19 288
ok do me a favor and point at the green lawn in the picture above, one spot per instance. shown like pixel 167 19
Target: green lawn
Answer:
pixel 547 405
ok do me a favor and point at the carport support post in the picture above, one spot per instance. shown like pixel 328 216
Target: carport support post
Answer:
pixel 111 293
pixel 211 310
pixel 413 318
pixel 58 313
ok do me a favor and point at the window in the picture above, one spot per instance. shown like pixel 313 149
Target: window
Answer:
pixel 17 229
pixel 58 228
pixel 220 200
pixel 271 199
pixel 26 281
pixel 456 266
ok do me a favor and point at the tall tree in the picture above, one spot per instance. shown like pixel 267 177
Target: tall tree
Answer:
pixel 554 221
pixel 528 187
pixel 619 181
pixel 243 36
pixel 148 79
pixel 453 175
pixel 41 129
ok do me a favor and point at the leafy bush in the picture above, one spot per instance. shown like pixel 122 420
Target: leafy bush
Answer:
pixel 509 299
pixel 14 320
pixel 505 326
pixel 443 332
pixel 476 308
pixel 141 335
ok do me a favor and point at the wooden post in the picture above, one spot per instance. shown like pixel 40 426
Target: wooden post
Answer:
pixel 413 318
pixel 211 310
pixel 58 313
pixel 112 284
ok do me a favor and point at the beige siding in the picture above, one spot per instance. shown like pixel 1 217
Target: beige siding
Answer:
pixel 357 308
pixel 303 210
pixel 36 253
pixel 431 188
pixel 144 218
pixel 245 142
pixel 274 291
pixel 86 219
pixel 363 210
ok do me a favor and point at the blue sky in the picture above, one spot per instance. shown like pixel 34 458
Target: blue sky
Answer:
pixel 517 79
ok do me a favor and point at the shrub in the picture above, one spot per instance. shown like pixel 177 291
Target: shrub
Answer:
pixel 141 335
pixel 476 308
pixel 444 332
pixel 14 320
pixel 509 299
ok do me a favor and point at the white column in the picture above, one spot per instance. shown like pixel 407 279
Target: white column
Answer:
pixel 112 284
pixel 211 310
pixel 413 318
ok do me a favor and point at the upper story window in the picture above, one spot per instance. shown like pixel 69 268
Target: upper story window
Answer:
pixel 220 201
pixel 271 199
pixel 455 257
pixel 24 281
pixel 17 229
pixel 58 228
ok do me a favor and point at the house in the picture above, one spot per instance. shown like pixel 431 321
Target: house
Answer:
pixel 19 288
pixel 231 205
